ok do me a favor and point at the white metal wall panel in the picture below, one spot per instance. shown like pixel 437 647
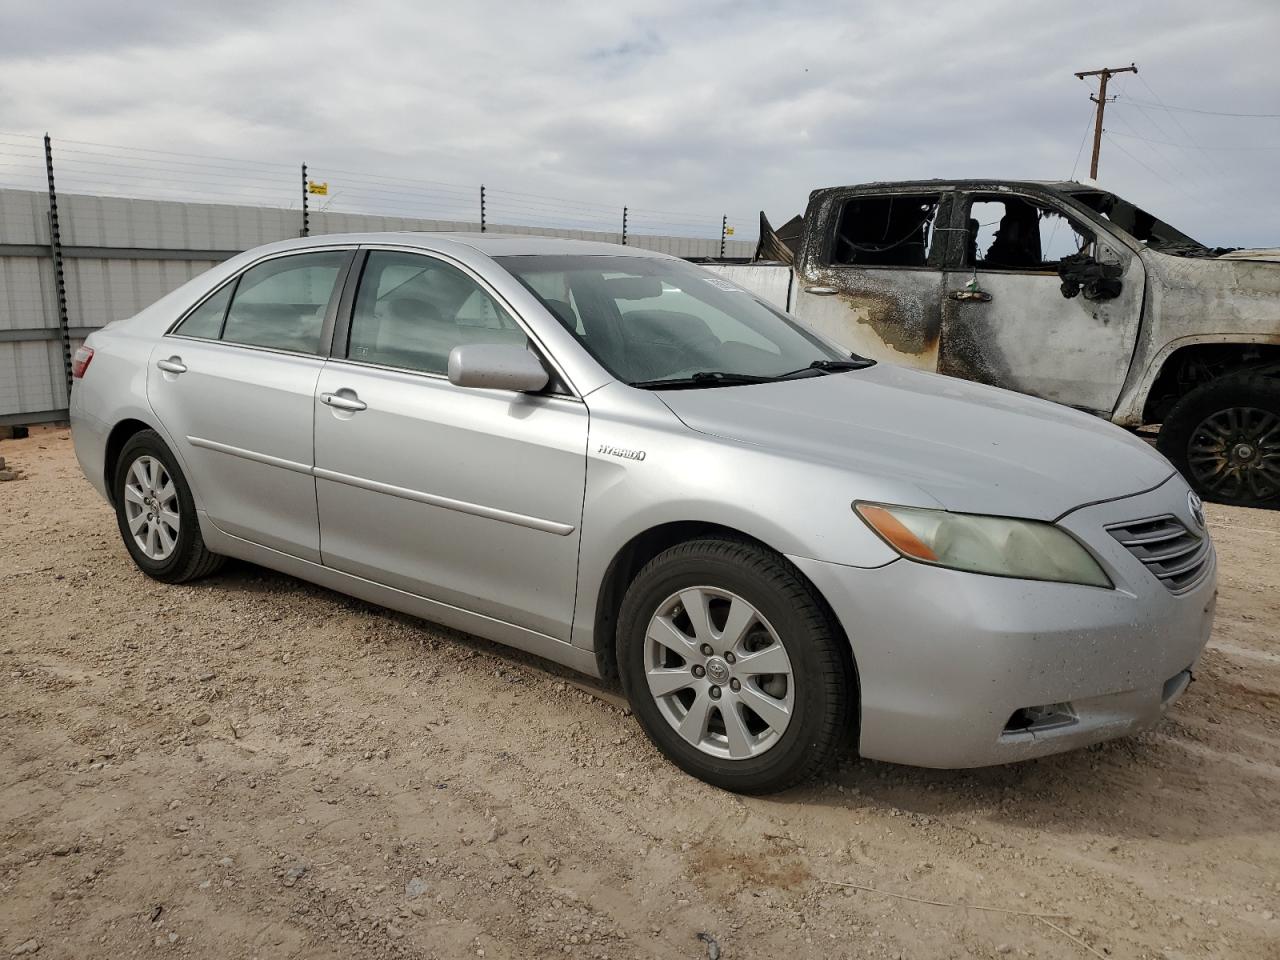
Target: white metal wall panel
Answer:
pixel 31 377
pixel 26 293
pixel 88 221
pixel 770 283
pixel 99 291
pixel 24 216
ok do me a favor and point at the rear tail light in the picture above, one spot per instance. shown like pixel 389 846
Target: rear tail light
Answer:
pixel 80 362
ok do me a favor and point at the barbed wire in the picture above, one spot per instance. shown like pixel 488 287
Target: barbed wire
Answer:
pixel 112 170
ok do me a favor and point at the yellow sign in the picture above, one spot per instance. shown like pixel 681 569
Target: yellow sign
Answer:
pixel 728 231
pixel 322 189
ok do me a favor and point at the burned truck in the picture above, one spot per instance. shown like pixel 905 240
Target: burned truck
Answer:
pixel 1059 290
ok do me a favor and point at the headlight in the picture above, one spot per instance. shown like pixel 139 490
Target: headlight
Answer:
pixel 996 545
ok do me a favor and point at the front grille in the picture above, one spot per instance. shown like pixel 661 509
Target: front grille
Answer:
pixel 1177 557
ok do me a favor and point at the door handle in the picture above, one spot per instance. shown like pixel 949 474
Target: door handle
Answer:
pixel 970 296
pixel 172 365
pixel 822 291
pixel 340 402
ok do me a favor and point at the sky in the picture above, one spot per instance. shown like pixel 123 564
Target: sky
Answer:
pixel 681 111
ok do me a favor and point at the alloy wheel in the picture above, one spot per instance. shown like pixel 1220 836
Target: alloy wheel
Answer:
pixel 1235 453
pixel 151 507
pixel 719 673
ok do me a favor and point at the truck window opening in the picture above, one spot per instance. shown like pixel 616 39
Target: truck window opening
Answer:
pixel 1012 233
pixel 892 231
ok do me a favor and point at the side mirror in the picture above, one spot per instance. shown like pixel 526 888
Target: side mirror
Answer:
pixel 496 366
pixel 1082 273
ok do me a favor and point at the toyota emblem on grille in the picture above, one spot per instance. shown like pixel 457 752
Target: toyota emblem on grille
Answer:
pixel 1196 506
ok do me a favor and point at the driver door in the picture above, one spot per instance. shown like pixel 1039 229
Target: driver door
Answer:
pixel 1017 330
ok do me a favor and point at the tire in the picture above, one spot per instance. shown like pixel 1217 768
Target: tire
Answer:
pixel 1224 438
pixel 176 555
pixel 811 709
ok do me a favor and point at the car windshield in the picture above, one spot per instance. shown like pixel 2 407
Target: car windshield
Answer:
pixel 1142 226
pixel 655 322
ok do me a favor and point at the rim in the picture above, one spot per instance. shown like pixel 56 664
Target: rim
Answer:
pixel 719 673
pixel 1235 453
pixel 151 508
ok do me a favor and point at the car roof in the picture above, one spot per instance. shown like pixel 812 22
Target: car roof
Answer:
pixel 970 184
pixel 489 244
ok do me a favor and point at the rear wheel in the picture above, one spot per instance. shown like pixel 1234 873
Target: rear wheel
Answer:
pixel 734 667
pixel 1224 437
pixel 157 514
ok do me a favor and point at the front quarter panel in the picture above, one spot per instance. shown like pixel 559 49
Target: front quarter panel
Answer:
pixel 645 469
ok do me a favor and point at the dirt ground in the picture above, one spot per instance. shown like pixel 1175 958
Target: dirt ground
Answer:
pixel 250 766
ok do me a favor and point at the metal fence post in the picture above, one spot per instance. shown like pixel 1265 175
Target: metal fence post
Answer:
pixel 624 226
pixel 724 227
pixel 59 276
pixel 306 214
pixel 482 222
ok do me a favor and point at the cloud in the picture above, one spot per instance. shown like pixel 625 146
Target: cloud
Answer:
pixel 678 110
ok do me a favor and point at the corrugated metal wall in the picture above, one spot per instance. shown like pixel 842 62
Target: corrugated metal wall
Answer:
pixel 121 255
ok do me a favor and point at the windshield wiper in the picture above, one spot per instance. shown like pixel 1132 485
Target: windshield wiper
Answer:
pixel 829 366
pixel 703 378
pixel 719 378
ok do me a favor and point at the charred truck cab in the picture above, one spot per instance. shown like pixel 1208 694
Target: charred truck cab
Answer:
pixel 1058 290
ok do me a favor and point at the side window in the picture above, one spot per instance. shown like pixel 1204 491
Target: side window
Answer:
pixel 1013 233
pixel 412 310
pixel 281 303
pixel 206 320
pixel 890 231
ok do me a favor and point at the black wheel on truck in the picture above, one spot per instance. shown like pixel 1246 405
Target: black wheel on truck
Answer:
pixel 1224 437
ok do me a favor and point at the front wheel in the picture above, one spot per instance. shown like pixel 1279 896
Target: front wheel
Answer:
pixel 1224 437
pixel 734 667
pixel 157 514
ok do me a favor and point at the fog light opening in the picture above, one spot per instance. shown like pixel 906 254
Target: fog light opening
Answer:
pixel 1044 717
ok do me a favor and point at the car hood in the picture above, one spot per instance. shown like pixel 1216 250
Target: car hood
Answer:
pixel 1269 255
pixel 967 447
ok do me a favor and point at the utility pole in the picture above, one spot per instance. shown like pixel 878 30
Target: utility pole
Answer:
pixel 1103 76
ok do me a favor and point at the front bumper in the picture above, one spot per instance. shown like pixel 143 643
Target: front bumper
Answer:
pixel 949 661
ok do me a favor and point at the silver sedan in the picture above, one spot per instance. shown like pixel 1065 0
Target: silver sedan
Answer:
pixel 630 466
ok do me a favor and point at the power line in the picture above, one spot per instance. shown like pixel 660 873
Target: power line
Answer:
pixel 1079 150
pixel 1208 113
pixel 1174 143
pixel 1147 167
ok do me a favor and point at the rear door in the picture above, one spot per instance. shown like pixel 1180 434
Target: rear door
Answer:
pixel 469 497
pixel 1019 331
pixel 234 384
pixel 872 280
